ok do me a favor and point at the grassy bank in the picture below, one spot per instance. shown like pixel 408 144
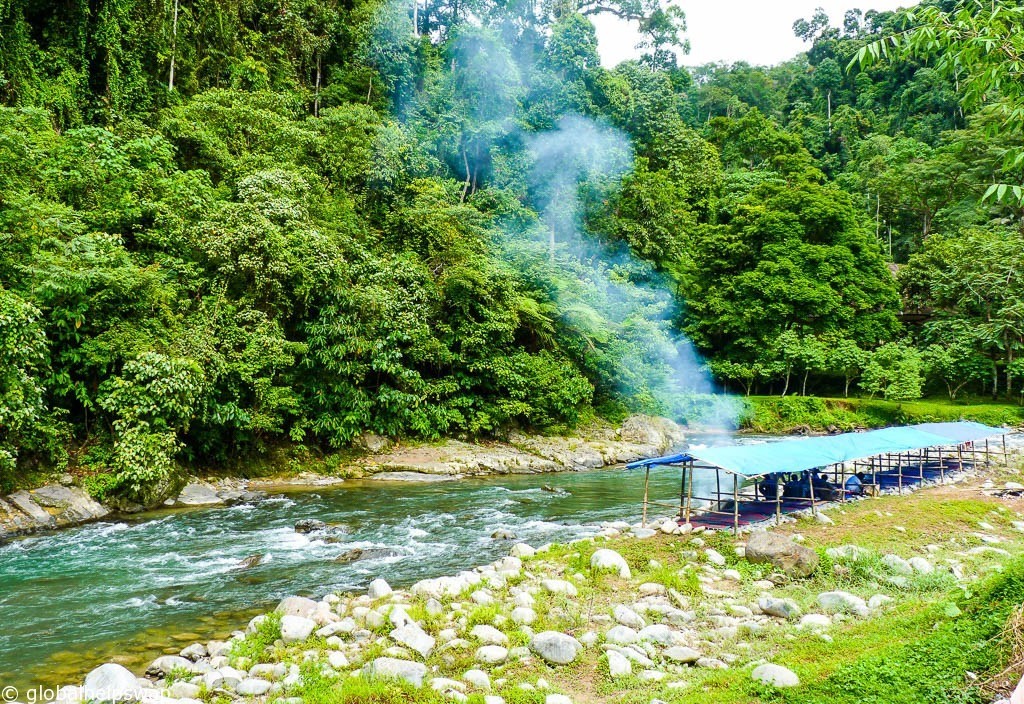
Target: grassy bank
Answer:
pixel 786 414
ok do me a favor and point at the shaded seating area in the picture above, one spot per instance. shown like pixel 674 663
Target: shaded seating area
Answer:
pixel 736 485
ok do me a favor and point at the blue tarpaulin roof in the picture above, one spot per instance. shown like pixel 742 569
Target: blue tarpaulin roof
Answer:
pixel 809 453
pixel 960 432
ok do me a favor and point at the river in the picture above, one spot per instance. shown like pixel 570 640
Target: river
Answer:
pixel 131 590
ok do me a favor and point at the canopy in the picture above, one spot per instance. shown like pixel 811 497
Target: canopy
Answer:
pixel 814 452
pixel 960 432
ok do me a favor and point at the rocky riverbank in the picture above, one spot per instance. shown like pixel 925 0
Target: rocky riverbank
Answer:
pixel 658 614
pixel 63 504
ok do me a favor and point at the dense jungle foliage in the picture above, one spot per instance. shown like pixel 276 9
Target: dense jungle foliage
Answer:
pixel 226 225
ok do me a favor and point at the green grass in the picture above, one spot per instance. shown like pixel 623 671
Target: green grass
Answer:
pixel 784 414
pixel 257 646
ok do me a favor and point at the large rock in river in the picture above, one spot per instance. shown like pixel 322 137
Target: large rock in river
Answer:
pixel 780 551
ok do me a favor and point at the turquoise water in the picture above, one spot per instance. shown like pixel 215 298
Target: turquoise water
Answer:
pixel 128 590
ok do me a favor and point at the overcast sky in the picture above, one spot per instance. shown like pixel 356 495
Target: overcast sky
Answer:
pixel 755 31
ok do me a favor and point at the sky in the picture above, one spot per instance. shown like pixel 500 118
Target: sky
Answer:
pixel 756 31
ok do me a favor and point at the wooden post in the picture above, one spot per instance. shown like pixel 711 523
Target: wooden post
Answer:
pixel 682 490
pixel 778 501
pixel 689 493
pixel 647 480
pixel 960 456
pixel 942 468
pixel 810 486
pixel 920 466
pixel 1006 456
pixel 988 457
pixel 736 504
pixel 899 471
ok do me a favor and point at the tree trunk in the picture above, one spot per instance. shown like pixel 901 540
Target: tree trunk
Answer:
pixel 174 47
pixel 995 380
pixel 465 163
pixel 846 387
pixel 316 99
pixel 785 388
pixel 803 386
pixel 829 99
pixel 1009 374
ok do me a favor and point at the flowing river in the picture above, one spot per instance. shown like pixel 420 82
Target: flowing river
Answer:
pixel 131 590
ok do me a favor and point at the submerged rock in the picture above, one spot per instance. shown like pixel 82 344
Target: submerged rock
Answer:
pixel 309 525
pixel 358 554
pixel 250 562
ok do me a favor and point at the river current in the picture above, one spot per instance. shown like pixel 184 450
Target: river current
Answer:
pixel 131 590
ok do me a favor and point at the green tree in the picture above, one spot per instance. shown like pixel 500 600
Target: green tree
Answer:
pixel 845 358
pixel 894 371
pixel 956 364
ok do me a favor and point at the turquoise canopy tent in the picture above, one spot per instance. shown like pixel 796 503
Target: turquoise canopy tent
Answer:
pixel 752 463
pixel 810 453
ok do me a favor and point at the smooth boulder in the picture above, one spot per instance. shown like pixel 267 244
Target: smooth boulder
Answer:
pixel 792 559
pixel 780 608
pixel 110 683
pixel 775 675
pixel 396 668
pixel 556 648
pixel 296 628
pixel 605 560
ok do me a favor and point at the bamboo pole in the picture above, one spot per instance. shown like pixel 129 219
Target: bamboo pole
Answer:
pixel 810 486
pixel 778 501
pixel 899 471
pixel 689 493
pixel 736 504
pixel 647 481
pixel 682 489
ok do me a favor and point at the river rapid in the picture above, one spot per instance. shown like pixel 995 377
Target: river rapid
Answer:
pixel 131 590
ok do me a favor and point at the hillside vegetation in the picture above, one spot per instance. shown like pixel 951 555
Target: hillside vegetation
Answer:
pixel 226 226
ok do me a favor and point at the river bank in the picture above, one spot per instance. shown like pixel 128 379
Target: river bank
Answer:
pixel 643 615
pixel 67 503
